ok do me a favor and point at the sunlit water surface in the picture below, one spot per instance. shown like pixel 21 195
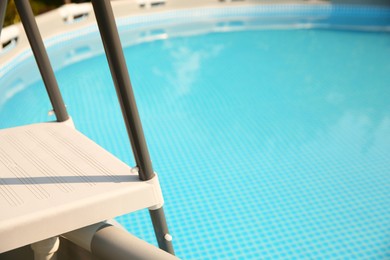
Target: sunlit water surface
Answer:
pixel 269 144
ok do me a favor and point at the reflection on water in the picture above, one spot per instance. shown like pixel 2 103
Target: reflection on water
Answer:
pixel 186 63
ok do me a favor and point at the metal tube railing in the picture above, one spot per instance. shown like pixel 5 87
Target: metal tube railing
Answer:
pixel 113 48
pixel 3 8
pixel 42 59
pixel 117 63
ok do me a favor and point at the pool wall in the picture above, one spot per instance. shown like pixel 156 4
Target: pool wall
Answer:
pixel 175 18
pixel 363 2
pixel 73 17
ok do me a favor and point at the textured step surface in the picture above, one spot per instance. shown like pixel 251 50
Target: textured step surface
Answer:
pixel 53 180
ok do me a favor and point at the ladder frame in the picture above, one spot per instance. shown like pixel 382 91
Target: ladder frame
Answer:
pixel 114 53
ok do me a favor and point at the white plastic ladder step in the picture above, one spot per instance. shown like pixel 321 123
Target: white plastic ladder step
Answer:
pixel 54 180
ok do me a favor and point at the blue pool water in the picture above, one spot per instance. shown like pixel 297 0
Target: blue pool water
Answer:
pixel 269 144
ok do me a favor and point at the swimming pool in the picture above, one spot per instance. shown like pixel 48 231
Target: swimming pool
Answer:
pixel 270 140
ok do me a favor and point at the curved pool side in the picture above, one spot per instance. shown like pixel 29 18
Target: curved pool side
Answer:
pixel 237 16
pixel 234 19
pixel 167 22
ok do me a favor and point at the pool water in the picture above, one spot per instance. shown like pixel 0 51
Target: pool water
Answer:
pixel 269 144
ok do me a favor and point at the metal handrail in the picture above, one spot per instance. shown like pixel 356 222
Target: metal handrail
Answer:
pixel 114 53
pixel 42 59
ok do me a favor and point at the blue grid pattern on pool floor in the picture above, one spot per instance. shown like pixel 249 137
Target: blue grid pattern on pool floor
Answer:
pixel 290 160
pixel 281 174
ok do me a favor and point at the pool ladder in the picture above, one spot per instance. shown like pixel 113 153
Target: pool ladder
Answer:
pixel 114 53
